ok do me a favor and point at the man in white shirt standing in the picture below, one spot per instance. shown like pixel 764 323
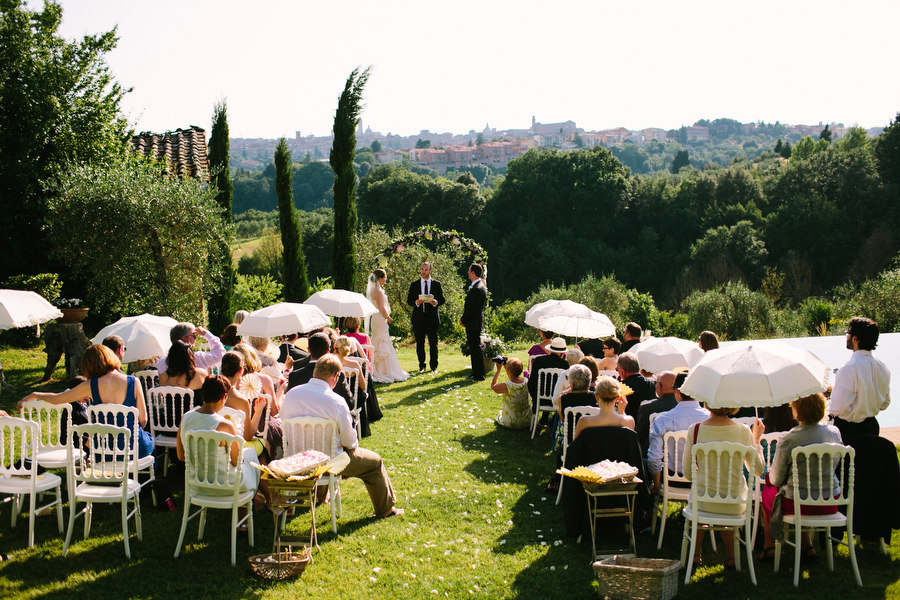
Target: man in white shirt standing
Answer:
pixel 316 399
pixel 862 386
pixel 187 333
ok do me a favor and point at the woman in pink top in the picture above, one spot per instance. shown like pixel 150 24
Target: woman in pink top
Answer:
pixel 351 326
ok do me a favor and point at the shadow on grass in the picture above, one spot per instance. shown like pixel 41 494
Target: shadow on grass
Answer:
pixel 421 390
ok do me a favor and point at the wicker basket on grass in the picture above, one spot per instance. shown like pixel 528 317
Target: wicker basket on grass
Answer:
pixel 281 565
pixel 648 578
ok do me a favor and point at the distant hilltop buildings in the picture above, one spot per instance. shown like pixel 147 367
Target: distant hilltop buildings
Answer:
pixel 495 148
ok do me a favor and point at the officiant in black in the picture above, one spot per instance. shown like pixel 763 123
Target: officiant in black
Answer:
pixel 425 296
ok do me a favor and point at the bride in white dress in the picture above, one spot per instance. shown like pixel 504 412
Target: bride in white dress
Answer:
pixel 385 367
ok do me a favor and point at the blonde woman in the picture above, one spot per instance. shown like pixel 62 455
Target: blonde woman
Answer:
pixel 612 405
pixel 342 348
pixel 254 381
pixel 263 349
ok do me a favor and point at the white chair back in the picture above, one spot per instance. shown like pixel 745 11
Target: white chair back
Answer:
pixel 820 473
pixel 674 486
pixel 370 351
pixel 167 404
pixel 109 462
pixel 310 433
pixel 52 420
pixel 236 417
pixel 547 379
pixel 718 472
pixel 116 415
pixel 148 378
pixel 207 459
pixel 570 419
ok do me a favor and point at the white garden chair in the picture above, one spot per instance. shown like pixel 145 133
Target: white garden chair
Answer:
pixel 313 433
pixel 546 384
pixel 718 477
pixel 352 376
pixel 675 487
pixel 768 442
pixel 52 420
pixel 212 481
pixel 126 416
pixel 236 417
pixel 149 379
pixel 570 419
pixel 109 476
pixel 166 405
pixel 18 441
pixel 815 468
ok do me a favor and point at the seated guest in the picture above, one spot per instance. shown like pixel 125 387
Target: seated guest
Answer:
pixel 351 326
pixel 591 347
pixel 262 347
pixel 187 333
pixel 514 407
pixel 665 391
pixel 116 344
pixel 608 396
pixel 573 356
pixel 105 383
pixel 591 363
pixel 542 348
pixel 252 374
pixel 809 411
pixel 610 359
pixel 318 347
pixel 631 336
pixel 686 413
pixel 230 337
pixel 207 418
pixel 779 418
pixel 233 369
pixel 708 341
pixel 316 399
pixel 577 394
pixel 629 371
pixel 720 427
pixel 290 354
pixel 181 370
pixel 342 350
pixel 239 316
pixel 553 360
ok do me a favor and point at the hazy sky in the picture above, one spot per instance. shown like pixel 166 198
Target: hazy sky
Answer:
pixel 456 66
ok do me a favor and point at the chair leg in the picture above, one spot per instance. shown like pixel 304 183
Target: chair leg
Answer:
pixel 250 521
pixel 829 548
pixel 737 548
pixel 202 523
pixel 184 522
pixel 59 510
pixel 88 513
pixel 798 534
pixel 559 492
pixel 334 502
pixel 853 563
pixel 662 524
pixel 73 512
pixel 138 524
pixel 777 556
pixel 748 545
pixel 16 507
pixel 234 525
pixel 689 561
pixel 32 501
pixel 125 528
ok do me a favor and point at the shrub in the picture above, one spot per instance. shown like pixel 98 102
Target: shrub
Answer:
pixel 878 299
pixel 508 321
pixel 252 292
pixel 816 314
pixel 733 311
pixel 47 285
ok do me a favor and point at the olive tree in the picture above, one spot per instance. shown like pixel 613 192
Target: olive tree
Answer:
pixel 139 238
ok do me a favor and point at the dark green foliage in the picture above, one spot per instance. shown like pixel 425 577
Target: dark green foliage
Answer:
pixel 817 314
pixel 346 118
pixel 887 152
pixel 220 297
pixel 376 146
pixel 733 311
pixel 825 134
pixel 632 157
pixel 680 161
pixel 420 143
pixel 296 282
pixel 59 103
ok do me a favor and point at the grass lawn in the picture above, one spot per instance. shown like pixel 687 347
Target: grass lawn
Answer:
pixel 244 247
pixel 477 523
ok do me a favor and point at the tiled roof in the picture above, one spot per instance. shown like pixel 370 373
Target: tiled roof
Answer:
pixel 183 151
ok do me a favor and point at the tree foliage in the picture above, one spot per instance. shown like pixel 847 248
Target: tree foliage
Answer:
pixel 296 281
pixel 58 104
pixel 138 238
pixel 346 118
pixel 220 298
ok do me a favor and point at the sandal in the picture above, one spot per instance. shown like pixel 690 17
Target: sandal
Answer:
pixel 768 555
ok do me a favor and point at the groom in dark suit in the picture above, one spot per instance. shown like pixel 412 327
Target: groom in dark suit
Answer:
pixel 473 319
pixel 425 318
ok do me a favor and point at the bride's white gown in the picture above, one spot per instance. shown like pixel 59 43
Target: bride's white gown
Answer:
pixel 385 368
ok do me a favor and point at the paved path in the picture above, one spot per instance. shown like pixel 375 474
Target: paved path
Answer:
pixel 892 433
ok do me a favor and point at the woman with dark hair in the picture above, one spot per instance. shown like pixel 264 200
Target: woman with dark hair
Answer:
pixel 708 341
pixel 230 337
pixel 181 372
pixel 610 359
pixel 105 384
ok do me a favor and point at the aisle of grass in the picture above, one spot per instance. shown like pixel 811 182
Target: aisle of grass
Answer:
pixel 477 523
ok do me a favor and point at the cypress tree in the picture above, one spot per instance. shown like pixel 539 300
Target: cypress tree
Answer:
pixel 346 118
pixel 296 280
pixel 220 298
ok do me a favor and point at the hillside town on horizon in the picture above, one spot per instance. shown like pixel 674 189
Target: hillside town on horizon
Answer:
pixel 496 148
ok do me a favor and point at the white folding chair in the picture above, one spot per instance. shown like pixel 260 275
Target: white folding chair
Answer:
pixel 212 481
pixel 18 442
pixel 370 351
pixel 353 382
pixel 52 420
pixel 126 416
pixel 718 477
pixel 817 470
pixel 313 433
pixel 570 419
pixel 109 476
pixel 149 379
pixel 546 383
pixel 675 487
pixel 768 442
pixel 166 405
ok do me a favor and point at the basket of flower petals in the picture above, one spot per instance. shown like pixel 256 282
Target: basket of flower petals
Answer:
pixel 603 475
pixel 281 565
